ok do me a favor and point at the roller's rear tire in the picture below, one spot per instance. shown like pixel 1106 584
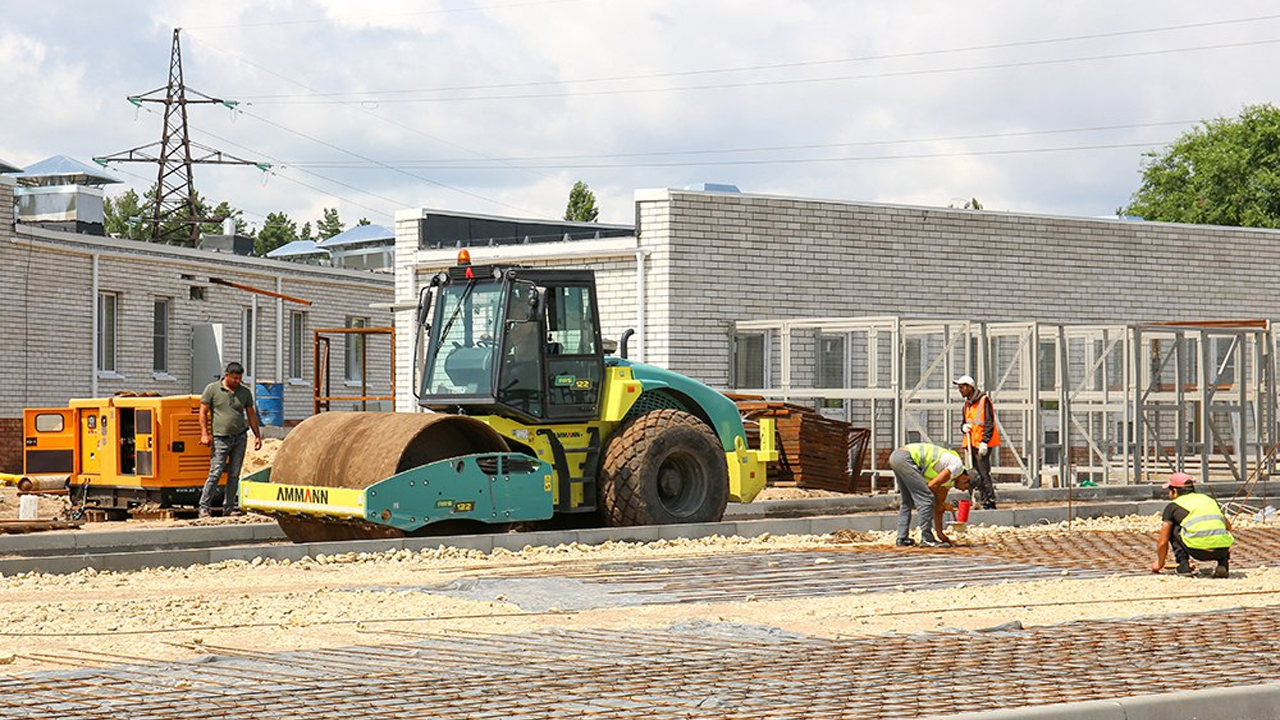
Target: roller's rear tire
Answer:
pixel 661 468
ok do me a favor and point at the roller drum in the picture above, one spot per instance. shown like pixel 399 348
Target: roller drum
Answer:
pixel 357 449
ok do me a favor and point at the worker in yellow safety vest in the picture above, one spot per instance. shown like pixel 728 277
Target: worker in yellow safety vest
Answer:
pixel 981 437
pixel 925 473
pixel 1196 528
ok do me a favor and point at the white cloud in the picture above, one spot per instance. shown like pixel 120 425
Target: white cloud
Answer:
pixel 73 75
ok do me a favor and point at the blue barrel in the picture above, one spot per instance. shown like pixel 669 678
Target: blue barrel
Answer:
pixel 270 399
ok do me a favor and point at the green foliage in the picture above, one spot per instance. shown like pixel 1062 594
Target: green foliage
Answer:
pixel 306 231
pixel 329 225
pixel 364 221
pixel 276 231
pixel 1224 172
pixel 970 204
pixel 220 213
pixel 130 216
pixel 582 204
pixel 126 216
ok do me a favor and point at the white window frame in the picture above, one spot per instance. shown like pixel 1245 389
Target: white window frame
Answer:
pixel 107 345
pixel 249 337
pixel 160 339
pixel 297 347
pixel 353 350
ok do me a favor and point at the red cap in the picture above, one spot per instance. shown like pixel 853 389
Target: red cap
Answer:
pixel 1179 480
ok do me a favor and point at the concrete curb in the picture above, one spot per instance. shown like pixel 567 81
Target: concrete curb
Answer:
pixel 124 550
pixel 118 550
pixel 1253 702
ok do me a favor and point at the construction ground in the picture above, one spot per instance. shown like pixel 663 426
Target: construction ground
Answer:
pixel 761 616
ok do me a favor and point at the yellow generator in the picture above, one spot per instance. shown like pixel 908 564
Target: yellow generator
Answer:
pixel 121 452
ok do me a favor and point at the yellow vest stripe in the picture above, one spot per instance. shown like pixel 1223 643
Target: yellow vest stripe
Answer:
pixel 1205 527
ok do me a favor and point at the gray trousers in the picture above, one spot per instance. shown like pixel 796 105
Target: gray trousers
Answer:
pixel 915 494
pixel 228 455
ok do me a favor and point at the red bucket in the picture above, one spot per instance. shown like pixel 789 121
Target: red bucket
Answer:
pixel 962 511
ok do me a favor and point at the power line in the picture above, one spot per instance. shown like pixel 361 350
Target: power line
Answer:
pixel 777 66
pixel 790 161
pixel 798 81
pixel 379 163
pixel 397 124
pixel 383 16
pixel 773 148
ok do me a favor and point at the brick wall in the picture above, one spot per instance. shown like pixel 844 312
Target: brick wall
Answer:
pixel 728 257
pixel 11 445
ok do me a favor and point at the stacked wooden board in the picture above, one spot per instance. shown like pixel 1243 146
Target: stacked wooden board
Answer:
pixel 815 452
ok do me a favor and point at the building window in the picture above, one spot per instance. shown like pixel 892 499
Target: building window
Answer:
pixel 249 331
pixel 1048 366
pixel 831 361
pixel 160 336
pixel 355 349
pixel 913 361
pixel 748 361
pixel 831 366
pixel 297 343
pixel 108 311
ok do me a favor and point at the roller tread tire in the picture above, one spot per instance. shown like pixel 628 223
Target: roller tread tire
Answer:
pixel 634 456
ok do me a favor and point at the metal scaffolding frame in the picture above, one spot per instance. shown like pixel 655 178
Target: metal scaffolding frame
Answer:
pixel 1093 404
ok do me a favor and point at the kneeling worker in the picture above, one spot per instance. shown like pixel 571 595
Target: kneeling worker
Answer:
pixel 925 473
pixel 1196 528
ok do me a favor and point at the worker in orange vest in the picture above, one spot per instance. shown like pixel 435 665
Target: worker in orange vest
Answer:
pixel 980 438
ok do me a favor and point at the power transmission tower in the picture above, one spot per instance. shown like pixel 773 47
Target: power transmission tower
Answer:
pixel 175 200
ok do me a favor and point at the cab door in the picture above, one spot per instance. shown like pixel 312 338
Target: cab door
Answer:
pixel 92 440
pixel 144 442
pixel 49 441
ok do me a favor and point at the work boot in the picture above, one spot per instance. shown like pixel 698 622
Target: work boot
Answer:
pixel 1221 571
pixel 931 543
pixel 204 513
pixel 906 542
pixel 1184 568
pixel 989 506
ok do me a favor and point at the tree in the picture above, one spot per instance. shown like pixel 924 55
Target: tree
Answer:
pixel 364 221
pixel 329 225
pixel 129 216
pixel 582 204
pixel 1226 171
pixel 126 216
pixel 276 231
pixel 970 204
pixel 220 213
pixel 306 231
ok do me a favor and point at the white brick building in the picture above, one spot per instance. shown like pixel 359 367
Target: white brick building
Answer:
pixel 701 262
pixel 84 316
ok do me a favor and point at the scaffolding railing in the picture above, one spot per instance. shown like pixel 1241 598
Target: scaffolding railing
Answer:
pixel 1075 404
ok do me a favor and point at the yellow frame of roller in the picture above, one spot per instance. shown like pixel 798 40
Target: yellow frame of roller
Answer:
pixel 622 390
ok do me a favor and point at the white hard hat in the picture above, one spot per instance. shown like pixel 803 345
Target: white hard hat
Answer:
pixel 964 380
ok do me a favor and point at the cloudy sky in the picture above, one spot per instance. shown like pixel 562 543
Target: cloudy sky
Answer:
pixel 498 106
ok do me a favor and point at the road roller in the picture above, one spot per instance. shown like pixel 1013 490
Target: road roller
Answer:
pixel 523 418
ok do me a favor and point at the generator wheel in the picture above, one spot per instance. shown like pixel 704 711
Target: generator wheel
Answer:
pixel 663 467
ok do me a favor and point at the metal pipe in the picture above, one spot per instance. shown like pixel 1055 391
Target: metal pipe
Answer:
pixel 641 300
pixel 280 332
pixel 97 325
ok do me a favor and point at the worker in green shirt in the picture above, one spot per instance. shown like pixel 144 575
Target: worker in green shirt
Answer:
pixel 226 414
